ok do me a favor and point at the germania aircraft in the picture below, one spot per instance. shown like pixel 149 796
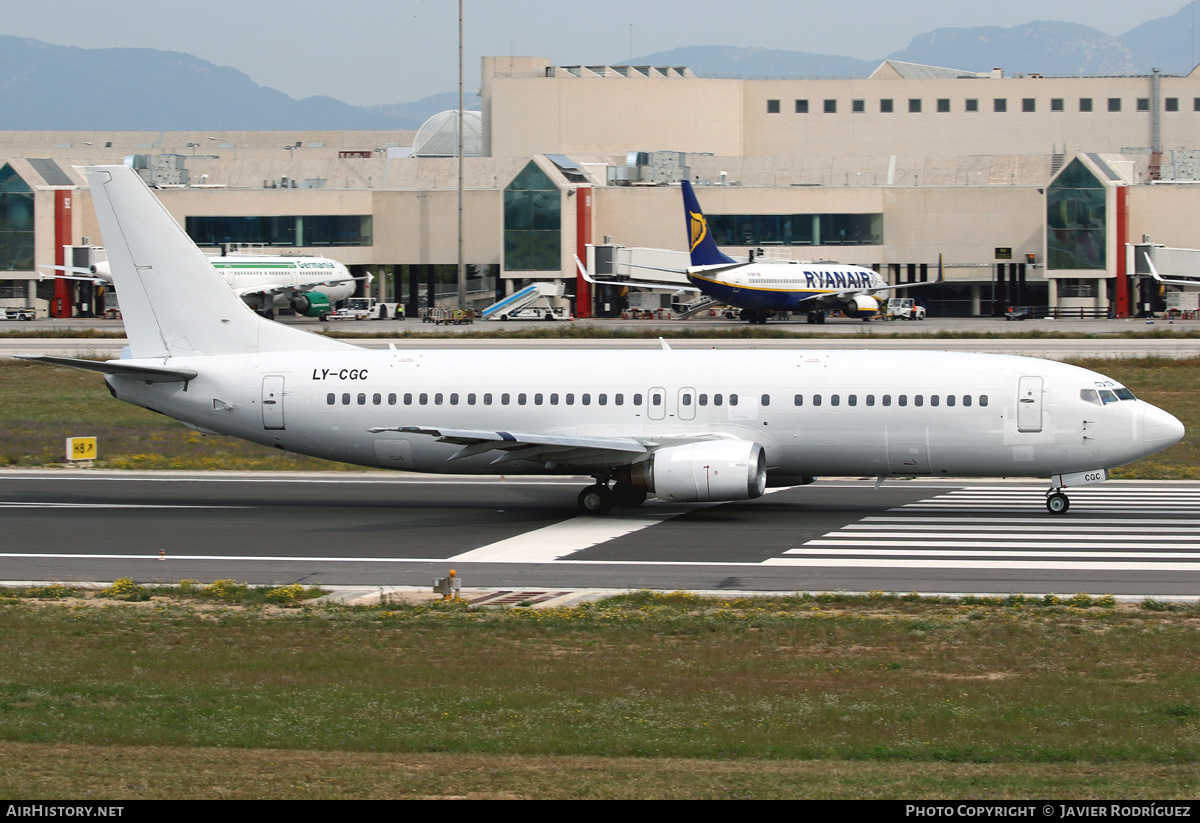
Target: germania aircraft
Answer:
pixel 681 426
pixel 309 285
pixel 761 287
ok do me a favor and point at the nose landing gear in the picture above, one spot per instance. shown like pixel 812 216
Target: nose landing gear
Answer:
pixel 1057 502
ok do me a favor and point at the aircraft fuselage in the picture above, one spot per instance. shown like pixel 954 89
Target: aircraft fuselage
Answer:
pixel 867 413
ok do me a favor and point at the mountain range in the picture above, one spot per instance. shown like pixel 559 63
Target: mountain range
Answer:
pixel 151 90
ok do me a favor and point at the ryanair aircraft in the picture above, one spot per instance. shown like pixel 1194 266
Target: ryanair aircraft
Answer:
pixel 761 288
pixel 680 426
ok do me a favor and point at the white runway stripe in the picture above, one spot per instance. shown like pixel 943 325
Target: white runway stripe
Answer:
pixel 1093 536
pixel 561 539
pixel 1080 555
pixel 967 565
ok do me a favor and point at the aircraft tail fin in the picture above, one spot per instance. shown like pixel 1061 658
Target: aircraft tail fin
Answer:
pixel 174 303
pixel 700 241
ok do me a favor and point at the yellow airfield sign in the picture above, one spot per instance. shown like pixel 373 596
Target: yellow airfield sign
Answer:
pixel 81 448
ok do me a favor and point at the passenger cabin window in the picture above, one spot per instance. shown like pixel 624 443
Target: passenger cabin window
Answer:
pixel 331 398
pixel 799 399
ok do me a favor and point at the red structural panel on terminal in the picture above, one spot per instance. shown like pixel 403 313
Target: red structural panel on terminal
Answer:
pixel 583 236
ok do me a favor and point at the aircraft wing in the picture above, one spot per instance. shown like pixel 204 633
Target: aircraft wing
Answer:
pixel 577 450
pixel 661 284
pixel 264 288
pixel 281 288
pixel 82 274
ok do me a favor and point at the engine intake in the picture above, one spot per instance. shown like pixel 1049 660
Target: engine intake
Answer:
pixel 707 472
pixel 310 303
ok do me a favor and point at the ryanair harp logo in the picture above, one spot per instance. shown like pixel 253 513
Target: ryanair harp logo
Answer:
pixel 699 228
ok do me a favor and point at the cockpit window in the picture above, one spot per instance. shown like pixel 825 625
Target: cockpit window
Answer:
pixel 1125 394
pixel 1090 396
pixel 1107 396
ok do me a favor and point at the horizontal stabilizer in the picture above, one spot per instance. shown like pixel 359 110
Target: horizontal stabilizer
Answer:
pixel 151 374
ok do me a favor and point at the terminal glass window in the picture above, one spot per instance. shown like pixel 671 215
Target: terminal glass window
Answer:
pixel 1000 104
pixel 943 104
pixel 1114 104
pixel 885 106
pixel 801 107
pixel 1075 220
pixel 16 222
pixel 1056 104
pixel 772 107
pixel 1143 104
pixel 914 105
pixel 292 230
pixel 796 229
pixel 1171 104
pixel 1028 104
pixel 532 222
pixel 831 107
pixel 1085 104
pixel 972 105
pixel 858 106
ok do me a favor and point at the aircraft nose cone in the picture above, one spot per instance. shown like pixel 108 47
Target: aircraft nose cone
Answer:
pixel 1159 429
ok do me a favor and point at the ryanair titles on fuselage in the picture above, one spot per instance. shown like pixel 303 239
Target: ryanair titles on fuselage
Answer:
pixel 847 279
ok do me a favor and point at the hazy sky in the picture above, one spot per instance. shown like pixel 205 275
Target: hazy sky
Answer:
pixel 368 52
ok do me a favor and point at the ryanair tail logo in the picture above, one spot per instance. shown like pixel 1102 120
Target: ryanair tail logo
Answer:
pixel 699 228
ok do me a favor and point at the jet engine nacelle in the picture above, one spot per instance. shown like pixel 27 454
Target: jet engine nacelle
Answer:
pixel 311 304
pixel 864 305
pixel 706 472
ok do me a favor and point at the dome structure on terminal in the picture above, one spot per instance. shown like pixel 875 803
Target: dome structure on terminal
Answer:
pixel 438 136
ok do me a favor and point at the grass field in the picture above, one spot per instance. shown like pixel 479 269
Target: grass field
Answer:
pixel 643 695
pixel 40 406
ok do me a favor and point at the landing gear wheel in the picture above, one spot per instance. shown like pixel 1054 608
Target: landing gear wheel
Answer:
pixel 1057 503
pixel 628 496
pixel 597 499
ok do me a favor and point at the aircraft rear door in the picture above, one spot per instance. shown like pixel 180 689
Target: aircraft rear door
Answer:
pixel 272 401
pixel 1029 403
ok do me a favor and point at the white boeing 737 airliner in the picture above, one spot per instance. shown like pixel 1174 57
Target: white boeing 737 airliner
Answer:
pixel 678 425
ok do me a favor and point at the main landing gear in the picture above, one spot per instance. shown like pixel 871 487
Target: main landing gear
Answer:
pixel 601 498
pixel 1057 502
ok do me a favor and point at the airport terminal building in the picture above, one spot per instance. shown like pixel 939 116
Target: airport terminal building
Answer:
pixel 1033 189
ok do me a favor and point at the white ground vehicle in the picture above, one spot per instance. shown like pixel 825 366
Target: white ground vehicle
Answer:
pixel 904 308
pixel 368 308
pixel 17 313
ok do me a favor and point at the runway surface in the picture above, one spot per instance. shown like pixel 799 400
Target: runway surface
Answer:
pixel 1125 538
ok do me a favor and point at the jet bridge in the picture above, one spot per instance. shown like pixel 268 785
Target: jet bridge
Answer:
pixel 539 301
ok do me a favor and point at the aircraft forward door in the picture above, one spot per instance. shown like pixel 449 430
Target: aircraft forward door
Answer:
pixel 272 401
pixel 1029 403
